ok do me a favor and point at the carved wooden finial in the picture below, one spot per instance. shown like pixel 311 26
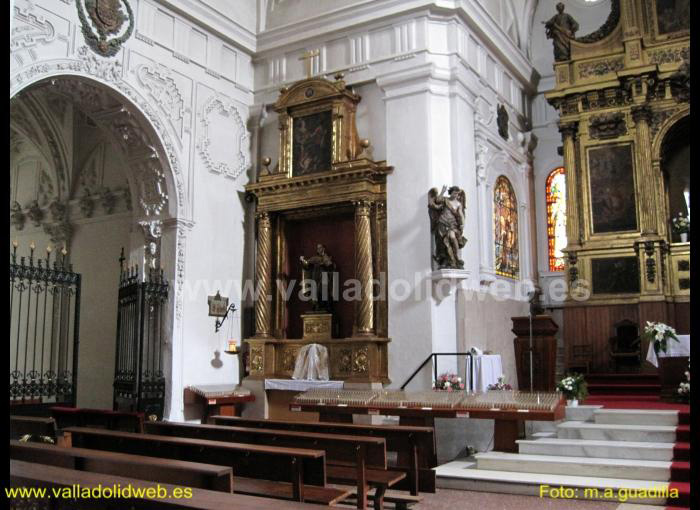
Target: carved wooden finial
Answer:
pixel 266 163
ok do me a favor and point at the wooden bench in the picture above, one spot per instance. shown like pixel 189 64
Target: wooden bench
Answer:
pixel 415 446
pixel 154 469
pixel 97 418
pixel 357 460
pixel 298 467
pixel 35 426
pixel 27 474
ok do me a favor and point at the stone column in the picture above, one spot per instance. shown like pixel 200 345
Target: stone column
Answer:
pixel 484 202
pixel 263 277
pixel 364 315
pixel 647 189
pixel 569 131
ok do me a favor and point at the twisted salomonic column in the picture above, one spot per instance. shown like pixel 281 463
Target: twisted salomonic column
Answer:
pixel 569 131
pixel 642 115
pixel 263 277
pixel 364 318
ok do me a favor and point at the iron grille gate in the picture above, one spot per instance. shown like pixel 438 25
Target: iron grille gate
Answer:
pixel 139 384
pixel 44 332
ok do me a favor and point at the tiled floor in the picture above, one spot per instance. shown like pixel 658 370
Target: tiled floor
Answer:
pixel 447 499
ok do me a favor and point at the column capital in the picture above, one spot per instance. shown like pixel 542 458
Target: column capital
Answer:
pixel 362 206
pixel 569 129
pixel 642 112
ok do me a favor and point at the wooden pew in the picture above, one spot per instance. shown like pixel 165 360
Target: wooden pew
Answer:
pixel 415 446
pixel 356 460
pixel 35 426
pixel 293 470
pixel 154 469
pixel 27 474
pixel 97 418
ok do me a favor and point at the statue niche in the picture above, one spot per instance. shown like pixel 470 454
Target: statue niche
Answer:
pixel 447 225
pixel 317 275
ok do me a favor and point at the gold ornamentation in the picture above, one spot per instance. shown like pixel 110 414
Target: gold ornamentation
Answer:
pixel 607 125
pixel 257 360
pixel 360 360
pixel 289 358
pixel 345 361
pixel 317 326
pixel 600 67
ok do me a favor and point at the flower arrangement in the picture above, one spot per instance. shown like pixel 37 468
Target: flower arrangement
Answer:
pixel 573 386
pixel 659 333
pixel 684 387
pixel 500 385
pixel 448 382
pixel 681 224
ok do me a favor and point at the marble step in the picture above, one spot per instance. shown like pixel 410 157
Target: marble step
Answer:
pixel 544 434
pixel 613 432
pixel 636 417
pixel 462 475
pixel 580 413
pixel 597 449
pixel 578 466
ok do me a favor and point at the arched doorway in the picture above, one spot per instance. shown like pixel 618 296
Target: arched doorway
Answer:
pixel 90 175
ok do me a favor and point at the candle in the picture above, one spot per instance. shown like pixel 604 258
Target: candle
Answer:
pixel 231 345
pixel 64 251
pixel 15 244
pixel 49 248
pixel 32 246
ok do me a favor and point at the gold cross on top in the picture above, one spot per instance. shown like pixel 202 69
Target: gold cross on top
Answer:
pixel 308 56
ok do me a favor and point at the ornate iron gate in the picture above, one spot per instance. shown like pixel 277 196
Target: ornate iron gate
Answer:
pixel 139 383
pixel 44 331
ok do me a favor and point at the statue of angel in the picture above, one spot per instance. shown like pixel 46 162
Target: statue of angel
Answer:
pixel 447 214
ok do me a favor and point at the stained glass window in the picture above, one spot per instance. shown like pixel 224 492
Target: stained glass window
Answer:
pixel 556 218
pixel 507 261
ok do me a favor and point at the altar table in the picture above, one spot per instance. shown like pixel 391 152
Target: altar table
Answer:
pixel 673 349
pixel 487 369
pixel 218 399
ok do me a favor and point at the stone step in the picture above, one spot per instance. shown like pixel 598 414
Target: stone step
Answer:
pixel 597 449
pixel 636 417
pixel 463 475
pixel 578 466
pixel 544 435
pixel 580 413
pixel 613 432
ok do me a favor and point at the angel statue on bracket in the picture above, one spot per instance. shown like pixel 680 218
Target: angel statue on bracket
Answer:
pixel 447 215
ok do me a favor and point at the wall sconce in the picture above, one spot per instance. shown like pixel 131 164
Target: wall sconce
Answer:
pixel 219 307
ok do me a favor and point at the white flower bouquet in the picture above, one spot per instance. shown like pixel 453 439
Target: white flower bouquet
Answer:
pixel 573 386
pixel 681 224
pixel 684 387
pixel 659 333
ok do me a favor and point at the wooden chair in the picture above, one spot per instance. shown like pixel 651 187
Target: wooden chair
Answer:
pixel 625 346
pixel 581 357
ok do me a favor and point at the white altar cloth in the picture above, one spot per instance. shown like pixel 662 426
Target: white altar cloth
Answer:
pixel 301 384
pixel 673 349
pixel 487 370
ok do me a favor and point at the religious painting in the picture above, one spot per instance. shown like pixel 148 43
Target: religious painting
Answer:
pixel 672 16
pixel 613 203
pixel 615 275
pixel 311 146
pixel 556 218
pixel 507 258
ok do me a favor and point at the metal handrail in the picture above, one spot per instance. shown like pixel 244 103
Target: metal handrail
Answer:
pixel 434 355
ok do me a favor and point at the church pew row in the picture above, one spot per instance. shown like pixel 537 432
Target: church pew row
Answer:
pixel 272 471
pixel 153 469
pixel 415 446
pixel 97 418
pixel 357 460
pixel 27 474
pixel 35 426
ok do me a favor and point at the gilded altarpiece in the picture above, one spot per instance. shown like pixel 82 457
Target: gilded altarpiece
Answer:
pixel 622 90
pixel 324 190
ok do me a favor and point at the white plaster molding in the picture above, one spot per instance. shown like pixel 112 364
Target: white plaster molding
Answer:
pixel 36 30
pixel 218 105
pixel 163 89
pixel 455 275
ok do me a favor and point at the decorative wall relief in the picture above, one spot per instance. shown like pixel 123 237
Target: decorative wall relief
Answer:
pixel 600 67
pixel 162 87
pixel 17 217
pixel 607 125
pixel 224 139
pixel 106 18
pixel 34 30
pixel 35 213
pixel 150 179
pixel 618 275
pixel 87 204
pixel 613 203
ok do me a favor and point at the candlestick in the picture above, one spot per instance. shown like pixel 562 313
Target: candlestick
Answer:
pixel 15 244
pixel 32 246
